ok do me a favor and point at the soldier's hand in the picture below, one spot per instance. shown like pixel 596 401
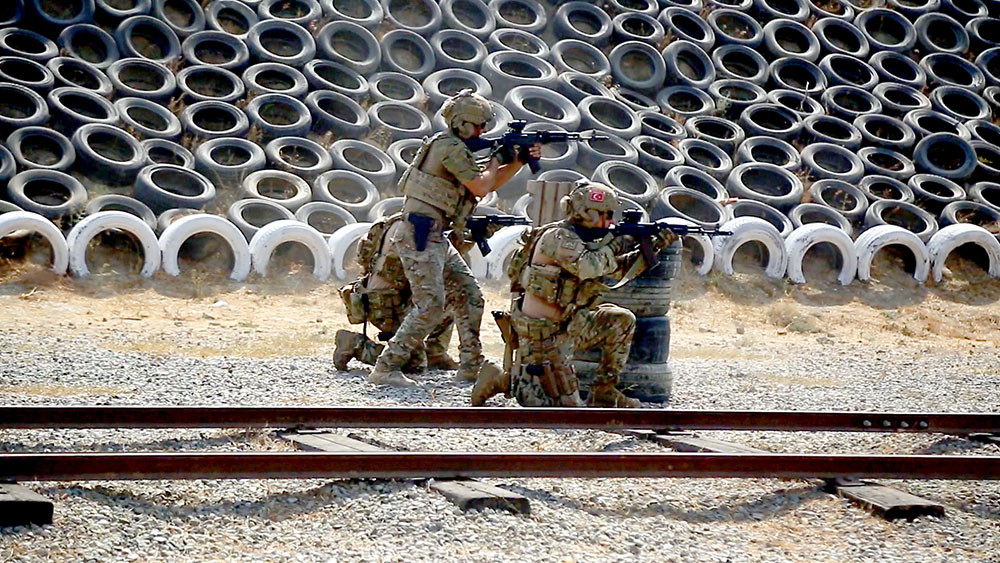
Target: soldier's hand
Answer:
pixel 620 244
pixel 535 151
pixel 662 239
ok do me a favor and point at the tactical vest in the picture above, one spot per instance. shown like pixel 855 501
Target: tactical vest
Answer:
pixel 449 196
pixel 373 261
pixel 552 283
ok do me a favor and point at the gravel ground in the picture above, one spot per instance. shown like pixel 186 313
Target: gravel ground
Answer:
pixel 571 520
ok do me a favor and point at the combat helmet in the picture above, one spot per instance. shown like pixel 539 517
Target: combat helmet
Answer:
pixel 466 107
pixel 587 200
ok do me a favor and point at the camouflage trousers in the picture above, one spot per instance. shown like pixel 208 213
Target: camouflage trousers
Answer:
pixel 386 315
pixel 433 273
pixel 606 327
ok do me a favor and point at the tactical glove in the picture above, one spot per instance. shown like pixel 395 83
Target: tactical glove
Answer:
pixel 662 239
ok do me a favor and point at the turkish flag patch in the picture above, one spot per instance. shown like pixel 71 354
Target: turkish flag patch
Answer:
pixel 596 196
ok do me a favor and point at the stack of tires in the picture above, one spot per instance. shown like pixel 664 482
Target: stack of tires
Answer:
pixel 647 374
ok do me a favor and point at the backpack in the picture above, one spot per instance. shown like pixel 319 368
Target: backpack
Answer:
pixel 368 248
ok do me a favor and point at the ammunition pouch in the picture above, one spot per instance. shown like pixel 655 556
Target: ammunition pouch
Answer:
pixel 557 380
pixel 355 301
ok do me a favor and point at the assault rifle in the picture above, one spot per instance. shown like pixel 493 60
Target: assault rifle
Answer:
pixel 633 226
pixel 515 142
pixel 479 225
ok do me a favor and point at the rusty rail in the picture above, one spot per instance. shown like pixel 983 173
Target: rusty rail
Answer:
pixel 409 465
pixel 21 417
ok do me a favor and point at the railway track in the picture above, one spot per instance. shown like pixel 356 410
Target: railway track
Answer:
pixel 56 417
pixel 335 457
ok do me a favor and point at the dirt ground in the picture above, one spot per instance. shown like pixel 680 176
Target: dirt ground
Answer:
pixel 201 313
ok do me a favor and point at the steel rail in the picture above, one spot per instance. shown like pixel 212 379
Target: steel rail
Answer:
pixel 51 417
pixel 409 465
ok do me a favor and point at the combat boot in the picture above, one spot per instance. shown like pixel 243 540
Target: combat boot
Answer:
pixel 370 351
pixel 490 381
pixel 417 362
pixel 395 378
pixel 441 362
pixel 604 394
pixel 466 372
pixel 348 346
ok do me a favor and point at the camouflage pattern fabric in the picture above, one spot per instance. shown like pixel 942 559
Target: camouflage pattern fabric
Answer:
pixel 432 273
pixel 606 327
pixel 571 281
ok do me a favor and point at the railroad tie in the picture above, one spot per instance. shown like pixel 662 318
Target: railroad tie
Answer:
pixel 880 500
pixel 467 494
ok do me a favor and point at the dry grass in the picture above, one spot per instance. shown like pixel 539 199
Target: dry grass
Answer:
pixel 789 317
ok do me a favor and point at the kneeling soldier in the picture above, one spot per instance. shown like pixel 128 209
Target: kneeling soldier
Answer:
pixel 555 282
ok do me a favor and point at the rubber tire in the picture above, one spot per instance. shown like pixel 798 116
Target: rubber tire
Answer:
pixel 125 204
pixel 821 215
pixel 170 126
pixel 272 235
pixel 875 217
pixel 747 229
pixel 805 237
pixel 167 152
pixel 168 44
pixel 605 174
pixel 83 233
pixel 65 155
pixel 736 185
pixel 241 124
pixel 259 53
pixel 14 222
pixel 853 174
pixel 166 83
pixel 317 162
pixel 235 61
pixel 340 215
pixel 224 176
pixel 282 78
pixel 66 120
pixel 160 199
pixel 20 107
pixel 380 172
pixel 74 203
pixel 698 180
pixel 769 150
pixel 114 169
pixel 184 228
pixel 70 38
pixel 842 197
pixel 328 75
pixel 921 156
pixel 876 238
pixel 952 237
pixel 680 55
pixel 427 63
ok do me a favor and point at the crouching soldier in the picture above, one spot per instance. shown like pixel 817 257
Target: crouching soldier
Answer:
pixel 556 280
pixel 381 296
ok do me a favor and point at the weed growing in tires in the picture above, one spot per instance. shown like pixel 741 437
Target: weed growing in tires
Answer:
pixel 176 105
pixel 175 65
pixel 668 38
pixel 314 26
pixel 379 136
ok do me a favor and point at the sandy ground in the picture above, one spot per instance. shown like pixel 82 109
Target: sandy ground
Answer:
pixel 201 313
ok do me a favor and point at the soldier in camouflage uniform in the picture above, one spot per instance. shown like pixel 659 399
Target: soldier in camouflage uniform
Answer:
pixel 381 296
pixel 556 279
pixel 440 189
